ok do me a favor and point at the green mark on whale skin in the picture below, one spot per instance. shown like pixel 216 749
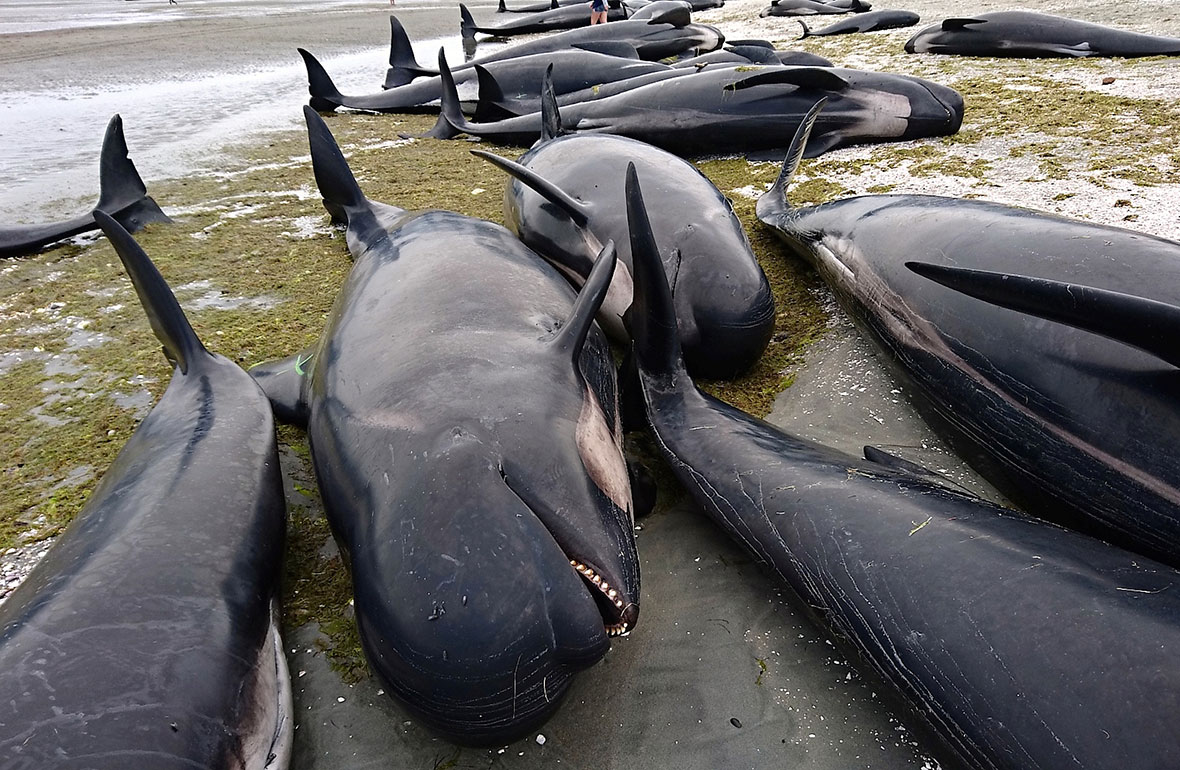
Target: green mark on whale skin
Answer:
pixel 300 361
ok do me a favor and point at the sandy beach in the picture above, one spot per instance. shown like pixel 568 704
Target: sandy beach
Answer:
pixel 256 265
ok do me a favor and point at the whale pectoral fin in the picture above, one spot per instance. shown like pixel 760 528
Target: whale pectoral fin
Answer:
pixel 894 462
pixel 644 490
pixel 1079 51
pixel 953 24
pixel 285 383
pixel 1146 324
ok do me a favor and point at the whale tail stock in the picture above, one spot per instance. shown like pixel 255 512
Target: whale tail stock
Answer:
pixel 122 193
pixel 325 97
pixel 403 67
pixel 181 345
pixel 1145 324
pixel 774 202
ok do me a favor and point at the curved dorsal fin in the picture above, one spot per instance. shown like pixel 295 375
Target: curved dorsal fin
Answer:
pixel 651 318
pixel 403 67
pixel 578 211
pixel 774 201
pixel 806 30
pixel 450 116
pixel 550 113
pixel 118 180
pixel 1147 324
pixel 488 106
pixel 572 336
pixel 181 344
pixel 467 25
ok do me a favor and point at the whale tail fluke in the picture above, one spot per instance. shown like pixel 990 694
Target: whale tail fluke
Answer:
pixel 651 319
pixel 324 95
pixel 1146 324
pixel 774 202
pixel 451 121
pixel 181 344
pixel 403 67
pixel 122 193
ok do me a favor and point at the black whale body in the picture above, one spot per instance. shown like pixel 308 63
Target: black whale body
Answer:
pixel 724 306
pixel 122 195
pixel 461 412
pixel 1030 34
pixel 1026 646
pixel 739 110
pixel 148 636
pixel 1071 424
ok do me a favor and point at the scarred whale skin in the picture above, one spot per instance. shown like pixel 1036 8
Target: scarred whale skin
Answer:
pixel 724 305
pixel 122 195
pixel 148 636
pixel 1026 34
pixel 1026 646
pixel 468 454
pixel 1075 426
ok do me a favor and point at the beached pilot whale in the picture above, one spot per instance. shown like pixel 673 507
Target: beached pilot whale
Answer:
pixel 461 410
pixel 813 8
pixel 863 22
pixel 122 195
pixel 1026 646
pixel 148 635
pixel 563 203
pixel 1069 407
pixel 1031 35
pixel 752 110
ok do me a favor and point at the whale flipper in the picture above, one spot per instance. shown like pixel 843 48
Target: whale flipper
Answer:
pixel 284 383
pixel 1146 324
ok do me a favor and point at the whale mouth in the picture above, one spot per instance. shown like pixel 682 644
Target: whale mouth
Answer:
pixel 610 599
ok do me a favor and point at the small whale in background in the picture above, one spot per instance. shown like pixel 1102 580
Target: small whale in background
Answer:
pixel 1032 35
pixel 863 22
pixel 122 195
pixel 814 7
pixel 1056 377
pixel 462 413
pixel 1024 645
pixel 148 636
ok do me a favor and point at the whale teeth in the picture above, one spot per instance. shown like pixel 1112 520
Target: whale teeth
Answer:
pixel 619 629
pixel 612 593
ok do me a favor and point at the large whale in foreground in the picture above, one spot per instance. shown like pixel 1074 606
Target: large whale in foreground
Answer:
pixel 122 195
pixel 148 635
pixel 1077 417
pixel 1026 646
pixel 1029 34
pixel 461 410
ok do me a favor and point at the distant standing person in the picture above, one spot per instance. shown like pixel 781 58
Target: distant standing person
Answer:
pixel 598 11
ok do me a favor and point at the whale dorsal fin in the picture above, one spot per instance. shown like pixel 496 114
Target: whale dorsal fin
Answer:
pixel 119 182
pixel 806 29
pixel 403 67
pixel 774 201
pixel 819 78
pixel 550 113
pixel 181 344
pixel 325 97
pixel 450 116
pixel 489 107
pixel 950 25
pixel 1147 324
pixel 578 211
pixel 651 319
pixel 467 26
pixel 572 336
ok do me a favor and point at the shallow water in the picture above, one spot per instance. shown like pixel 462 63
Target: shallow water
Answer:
pixel 188 79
